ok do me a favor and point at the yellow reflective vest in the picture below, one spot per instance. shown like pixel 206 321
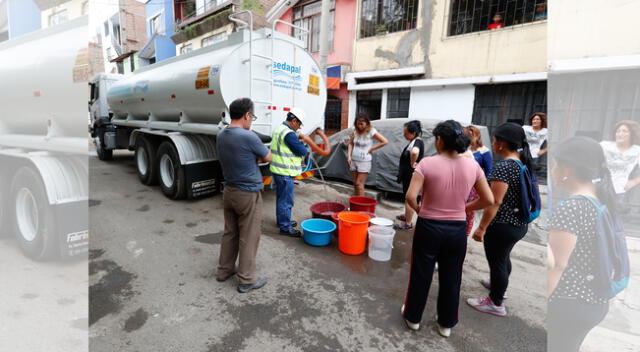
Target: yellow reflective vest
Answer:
pixel 283 161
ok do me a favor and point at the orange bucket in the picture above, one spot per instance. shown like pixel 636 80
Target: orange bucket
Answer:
pixel 352 230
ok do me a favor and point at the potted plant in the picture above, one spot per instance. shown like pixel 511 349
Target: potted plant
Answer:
pixel 381 29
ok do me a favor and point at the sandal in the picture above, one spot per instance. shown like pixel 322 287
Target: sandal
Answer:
pixel 404 226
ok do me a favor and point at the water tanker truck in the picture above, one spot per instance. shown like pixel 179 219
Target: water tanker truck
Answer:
pixel 169 113
pixel 43 140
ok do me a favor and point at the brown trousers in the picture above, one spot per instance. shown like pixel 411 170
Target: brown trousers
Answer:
pixel 242 229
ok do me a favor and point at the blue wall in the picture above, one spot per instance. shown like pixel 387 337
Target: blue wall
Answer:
pixel 24 17
pixel 165 47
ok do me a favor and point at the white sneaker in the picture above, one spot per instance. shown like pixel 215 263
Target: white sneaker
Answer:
pixel 487 284
pixel 444 332
pixel 410 325
pixel 485 305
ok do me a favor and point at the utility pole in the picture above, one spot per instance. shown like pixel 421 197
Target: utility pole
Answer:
pixel 324 36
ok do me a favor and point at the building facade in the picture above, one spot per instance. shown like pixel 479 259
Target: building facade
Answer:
pixel 124 34
pixel 200 23
pixel 306 14
pixel 440 60
pixel 160 28
pixel 18 17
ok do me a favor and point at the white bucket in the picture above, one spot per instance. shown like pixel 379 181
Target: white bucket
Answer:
pixel 380 242
pixel 381 222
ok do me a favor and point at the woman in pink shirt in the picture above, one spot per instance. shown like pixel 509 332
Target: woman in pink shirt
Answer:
pixel 440 236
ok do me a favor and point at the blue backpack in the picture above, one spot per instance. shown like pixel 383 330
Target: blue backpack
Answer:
pixel 530 200
pixel 612 256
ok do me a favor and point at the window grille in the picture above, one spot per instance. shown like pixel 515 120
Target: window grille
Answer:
pixel 378 17
pixel 398 102
pixel 469 16
pixel 307 16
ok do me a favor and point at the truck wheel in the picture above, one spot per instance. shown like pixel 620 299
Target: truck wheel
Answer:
pixel 172 179
pixel 145 161
pixel 103 154
pixel 33 218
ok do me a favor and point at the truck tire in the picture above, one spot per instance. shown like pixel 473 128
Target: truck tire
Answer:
pixel 171 172
pixel 104 154
pixel 145 156
pixel 32 217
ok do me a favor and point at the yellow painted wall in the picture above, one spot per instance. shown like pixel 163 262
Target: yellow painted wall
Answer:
pixel 364 49
pixel 514 49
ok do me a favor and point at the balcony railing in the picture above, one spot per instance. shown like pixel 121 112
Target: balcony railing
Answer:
pixel 209 7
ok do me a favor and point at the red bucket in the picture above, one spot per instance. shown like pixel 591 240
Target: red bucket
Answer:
pixel 361 203
pixel 324 210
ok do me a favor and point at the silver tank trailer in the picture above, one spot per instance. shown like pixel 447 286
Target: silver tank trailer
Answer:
pixel 192 92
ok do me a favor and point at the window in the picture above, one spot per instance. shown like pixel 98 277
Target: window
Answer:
pixel 387 16
pixel 132 63
pixel 333 114
pixel 495 104
pixel 398 102
pixel 369 102
pixel 186 49
pixel 216 38
pixel 155 24
pixel 469 16
pixel 307 16
pixel 58 17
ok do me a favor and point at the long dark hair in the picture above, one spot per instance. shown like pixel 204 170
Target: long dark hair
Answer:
pixel 414 127
pixel 515 138
pixel 586 157
pixel 452 136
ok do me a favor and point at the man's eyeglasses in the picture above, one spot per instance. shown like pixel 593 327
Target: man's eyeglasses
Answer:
pixel 253 116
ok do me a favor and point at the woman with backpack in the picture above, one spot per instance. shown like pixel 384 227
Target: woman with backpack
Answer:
pixel 502 224
pixel 576 303
pixel 445 180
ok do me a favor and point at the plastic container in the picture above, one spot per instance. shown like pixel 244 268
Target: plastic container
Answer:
pixel 352 236
pixel 360 203
pixel 370 215
pixel 324 210
pixel 382 222
pixel 317 232
pixel 381 242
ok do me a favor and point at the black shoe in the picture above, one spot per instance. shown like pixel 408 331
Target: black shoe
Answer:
pixel 294 223
pixel 224 278
pixel 244 288
pixel 291 232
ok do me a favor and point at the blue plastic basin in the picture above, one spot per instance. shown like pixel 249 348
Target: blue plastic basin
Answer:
pixel 317 232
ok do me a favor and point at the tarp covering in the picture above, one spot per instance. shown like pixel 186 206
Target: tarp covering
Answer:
pixel 384 168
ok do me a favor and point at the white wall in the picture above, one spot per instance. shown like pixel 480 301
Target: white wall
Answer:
pixel 451 102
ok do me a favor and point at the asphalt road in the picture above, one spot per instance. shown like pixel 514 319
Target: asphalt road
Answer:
pixel 44 304
pixel 152 285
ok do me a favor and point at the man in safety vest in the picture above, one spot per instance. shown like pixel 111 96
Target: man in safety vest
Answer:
pixel 287 152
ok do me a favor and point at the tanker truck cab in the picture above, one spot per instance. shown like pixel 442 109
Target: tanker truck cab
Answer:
pixel 100 114
pixel 169 113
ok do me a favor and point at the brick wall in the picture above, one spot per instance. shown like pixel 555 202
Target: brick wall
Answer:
pixel 133 25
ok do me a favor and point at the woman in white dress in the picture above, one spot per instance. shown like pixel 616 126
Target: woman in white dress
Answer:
pixel 623 155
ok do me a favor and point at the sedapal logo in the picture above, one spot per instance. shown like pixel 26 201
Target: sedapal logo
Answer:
pixel 284 70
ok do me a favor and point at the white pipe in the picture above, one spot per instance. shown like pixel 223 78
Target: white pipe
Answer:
pixel 324 36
